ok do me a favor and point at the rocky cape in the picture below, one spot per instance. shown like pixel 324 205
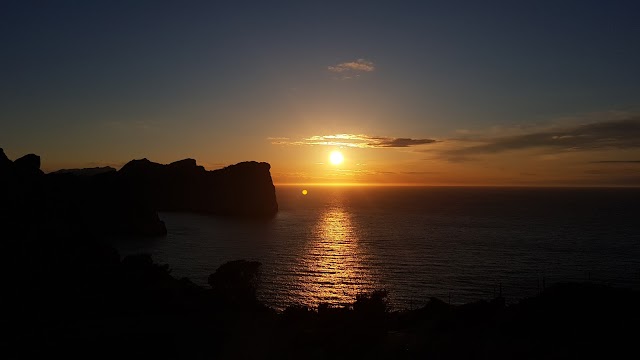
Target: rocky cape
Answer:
pixel 243 189
pixel 126 202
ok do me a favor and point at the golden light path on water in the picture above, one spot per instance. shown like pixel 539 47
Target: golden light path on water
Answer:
pixel 333 272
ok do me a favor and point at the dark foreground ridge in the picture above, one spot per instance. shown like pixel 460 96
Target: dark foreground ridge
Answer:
pixel 74 297
pixel 126 202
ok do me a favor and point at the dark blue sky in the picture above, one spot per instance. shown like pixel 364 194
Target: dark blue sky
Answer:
pixel 91 74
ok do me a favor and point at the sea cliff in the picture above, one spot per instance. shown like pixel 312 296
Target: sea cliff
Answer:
pixel 126 202
pixel 243 189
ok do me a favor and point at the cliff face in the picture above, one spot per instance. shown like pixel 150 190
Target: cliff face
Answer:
pixel 244 189
pixel 21 193
pixel 67 205
pixel 25 167
pixel 126 202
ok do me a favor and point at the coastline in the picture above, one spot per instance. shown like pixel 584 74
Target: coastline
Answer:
pixel 90 299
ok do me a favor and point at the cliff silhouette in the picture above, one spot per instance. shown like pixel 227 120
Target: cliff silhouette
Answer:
pixel 243 189
pixel 126 202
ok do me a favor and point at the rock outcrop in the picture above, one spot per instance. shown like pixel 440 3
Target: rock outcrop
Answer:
pixel 26 166
pixel 243 189
pixel 5 163
pixel 126 202
pixel 68 205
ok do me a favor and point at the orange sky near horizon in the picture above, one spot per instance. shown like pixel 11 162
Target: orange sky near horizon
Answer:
pixel 474 160
pixel 413 93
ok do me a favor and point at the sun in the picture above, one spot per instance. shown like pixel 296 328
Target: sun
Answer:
pixel 336 157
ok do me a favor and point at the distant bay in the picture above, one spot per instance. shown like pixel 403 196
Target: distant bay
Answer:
pixel 457 243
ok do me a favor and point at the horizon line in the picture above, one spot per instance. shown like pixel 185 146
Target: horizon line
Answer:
pixel 453 185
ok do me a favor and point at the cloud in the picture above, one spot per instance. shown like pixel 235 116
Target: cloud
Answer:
pixel 615 134
pixel 277 138
pixel 401 142
pixel 420 172
pixel 357 141
pixel 615 162
pixel 133 124
pixel 352 67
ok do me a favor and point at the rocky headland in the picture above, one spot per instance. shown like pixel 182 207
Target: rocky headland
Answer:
pixel 103 201
pixel 243 189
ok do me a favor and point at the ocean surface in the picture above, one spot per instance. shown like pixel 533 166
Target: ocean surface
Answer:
pixel 459 244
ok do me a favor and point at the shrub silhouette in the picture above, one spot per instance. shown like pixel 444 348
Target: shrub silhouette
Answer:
pixel 236 281
pixel 373 303
pixel 143 263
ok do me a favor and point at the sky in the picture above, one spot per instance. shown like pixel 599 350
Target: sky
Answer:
pixel 410 92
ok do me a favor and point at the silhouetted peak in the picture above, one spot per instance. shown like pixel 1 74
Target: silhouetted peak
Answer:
pixel 185 165
pixel 141 165
pixel 5 163
pixel 86 171
pixel 28 165
pixel 136 162
pixel 250 166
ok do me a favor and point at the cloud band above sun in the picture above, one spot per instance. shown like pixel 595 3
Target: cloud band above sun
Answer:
pixel 355 141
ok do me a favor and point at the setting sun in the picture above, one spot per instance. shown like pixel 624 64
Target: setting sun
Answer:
pixel 336 157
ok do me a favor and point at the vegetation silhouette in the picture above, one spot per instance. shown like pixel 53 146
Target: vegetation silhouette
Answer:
pixel 236 282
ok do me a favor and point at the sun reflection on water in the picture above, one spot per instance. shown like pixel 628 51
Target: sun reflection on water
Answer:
pixel 334 272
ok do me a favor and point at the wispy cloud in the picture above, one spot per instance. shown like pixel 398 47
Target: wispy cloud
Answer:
pixel 616 162
pixel 277 138
pixel 356 141
pixel 360 65
pixel 400 142
pixel 352 69
pixel 604 135
pixel 132 125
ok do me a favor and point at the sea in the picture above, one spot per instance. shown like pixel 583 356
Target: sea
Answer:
pixel 458 244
